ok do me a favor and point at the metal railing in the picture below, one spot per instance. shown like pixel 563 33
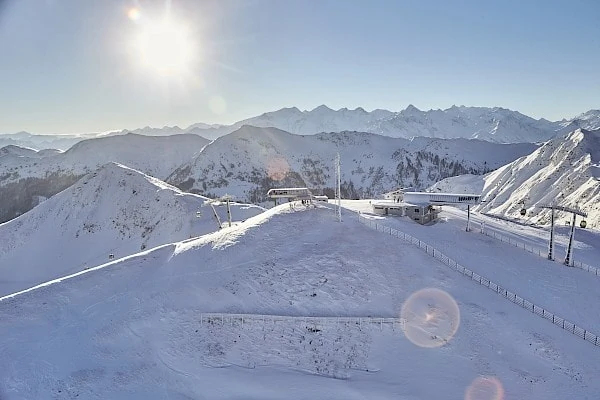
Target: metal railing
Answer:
pixel 501 291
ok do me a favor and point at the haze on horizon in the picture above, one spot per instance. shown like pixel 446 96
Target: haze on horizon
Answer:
pixel 86 66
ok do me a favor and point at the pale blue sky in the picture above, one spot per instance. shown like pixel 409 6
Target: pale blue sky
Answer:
pixel 65 66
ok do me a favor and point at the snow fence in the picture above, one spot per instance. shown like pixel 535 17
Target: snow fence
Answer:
pixel 501 291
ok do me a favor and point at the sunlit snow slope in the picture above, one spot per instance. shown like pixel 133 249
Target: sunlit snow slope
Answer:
pixel 250 161
pixel 132 329
pixel 565 171
pixel 114 210
pixel 27 176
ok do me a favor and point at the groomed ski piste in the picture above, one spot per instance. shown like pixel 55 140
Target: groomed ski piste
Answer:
pixel 142 326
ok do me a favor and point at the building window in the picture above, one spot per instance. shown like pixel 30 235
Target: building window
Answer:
pixel 416 210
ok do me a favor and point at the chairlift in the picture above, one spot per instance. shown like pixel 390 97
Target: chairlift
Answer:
pixel 583 223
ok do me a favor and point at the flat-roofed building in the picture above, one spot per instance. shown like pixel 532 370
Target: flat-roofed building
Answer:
pixel 422 207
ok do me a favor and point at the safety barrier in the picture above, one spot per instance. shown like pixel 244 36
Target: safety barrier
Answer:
pixel 501 291
pixel 241 319
pixel 536 250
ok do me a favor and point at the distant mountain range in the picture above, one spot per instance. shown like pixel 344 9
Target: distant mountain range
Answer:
pixel 494 124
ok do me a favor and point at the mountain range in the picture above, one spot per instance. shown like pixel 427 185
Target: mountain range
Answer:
pixel 494 124
pixel 251 160
pixel 28 176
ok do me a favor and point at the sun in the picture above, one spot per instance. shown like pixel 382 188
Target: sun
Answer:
pixel 164 48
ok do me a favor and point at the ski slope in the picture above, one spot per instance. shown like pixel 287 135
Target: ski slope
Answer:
pixel 132 329
pixel 569 292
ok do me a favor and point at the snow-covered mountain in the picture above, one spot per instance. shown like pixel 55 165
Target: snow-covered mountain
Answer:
pixel 565 170
pixel 114 210
pixel 588 120
pixel 494 124
pixel 26 175
pixel 39 142
pixel 251 160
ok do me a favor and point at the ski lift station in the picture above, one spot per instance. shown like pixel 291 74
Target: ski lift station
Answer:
pixel 421 207
pixel 293 194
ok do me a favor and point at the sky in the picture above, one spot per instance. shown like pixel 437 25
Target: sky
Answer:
pixel 70 66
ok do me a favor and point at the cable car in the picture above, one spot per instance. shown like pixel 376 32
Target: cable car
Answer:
pixel 111 256
pixel 523 211
pixel 583 224
pixel 198 214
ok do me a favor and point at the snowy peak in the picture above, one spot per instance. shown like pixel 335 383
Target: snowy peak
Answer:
pixel 565 171
pixel 589 120
pixel 24 179
pixel 496 124
pixel 411 110
pixel 322 109
pixel 251 160
pixel 113 210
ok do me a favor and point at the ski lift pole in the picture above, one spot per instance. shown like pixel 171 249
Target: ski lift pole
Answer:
pixel 551 245
pixel 228 212
pixel 339 188
pixel 468 217
pixel 215 214
pixel 569 255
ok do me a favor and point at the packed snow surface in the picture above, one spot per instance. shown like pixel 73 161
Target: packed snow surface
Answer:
pixel 132 329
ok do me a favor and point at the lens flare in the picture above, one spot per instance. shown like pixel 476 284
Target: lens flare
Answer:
pixel 485 388
pixel 133 14
pixel 431 317
pixel 217 105
pixel 277 168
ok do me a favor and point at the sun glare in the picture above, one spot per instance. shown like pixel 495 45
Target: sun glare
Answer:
pixel 164 48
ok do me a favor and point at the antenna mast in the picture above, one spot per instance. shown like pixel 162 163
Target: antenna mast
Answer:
pixel 338 187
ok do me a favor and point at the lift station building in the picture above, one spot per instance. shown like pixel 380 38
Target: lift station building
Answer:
pixel 421 207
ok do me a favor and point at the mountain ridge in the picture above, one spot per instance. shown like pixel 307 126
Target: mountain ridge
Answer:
pixel 112 210
pixel 564 170
pixel 496 124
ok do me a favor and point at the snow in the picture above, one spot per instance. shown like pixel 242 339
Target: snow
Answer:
pixel 562 289
pixel 27 174
pixel 131 329
pixel 563 170
pixel 494 124
pixel 114 210
pixel 157 156
pixel 250 161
